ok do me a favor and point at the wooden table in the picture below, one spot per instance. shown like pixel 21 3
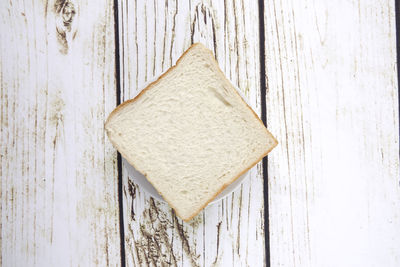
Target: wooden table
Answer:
pixel 321 74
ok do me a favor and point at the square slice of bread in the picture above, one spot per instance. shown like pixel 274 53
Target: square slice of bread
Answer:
pixel 189 133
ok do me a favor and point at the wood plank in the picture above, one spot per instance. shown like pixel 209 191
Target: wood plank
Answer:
pixel 332 102
pixel 153 35
pixel 59 204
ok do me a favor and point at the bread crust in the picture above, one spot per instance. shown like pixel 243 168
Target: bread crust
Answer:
pixel 152 84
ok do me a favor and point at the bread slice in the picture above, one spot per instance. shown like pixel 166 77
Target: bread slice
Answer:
pixel 189 133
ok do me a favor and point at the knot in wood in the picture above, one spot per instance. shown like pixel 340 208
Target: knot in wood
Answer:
pixel 65 9
pixel 65 12
pixel 68 13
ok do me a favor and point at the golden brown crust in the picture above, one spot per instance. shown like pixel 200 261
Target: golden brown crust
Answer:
pixel 120 107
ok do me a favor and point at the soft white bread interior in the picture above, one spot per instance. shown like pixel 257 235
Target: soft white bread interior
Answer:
pixel 189 133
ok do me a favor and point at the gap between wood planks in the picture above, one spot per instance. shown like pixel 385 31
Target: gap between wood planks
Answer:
pixel 263 88
pixel 119 158
pixel 263 118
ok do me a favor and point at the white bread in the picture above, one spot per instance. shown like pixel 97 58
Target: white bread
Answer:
pixel 189 133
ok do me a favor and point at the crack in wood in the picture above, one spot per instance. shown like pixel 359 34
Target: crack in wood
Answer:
pixel 218 235
pixel 132 194
pixel 154 244
pixel 185 243
pixel 173 32
pixel 239 222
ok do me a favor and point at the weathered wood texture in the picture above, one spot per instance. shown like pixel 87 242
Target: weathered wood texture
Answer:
pixel 59 204
pixel 332 101
pixel 153 35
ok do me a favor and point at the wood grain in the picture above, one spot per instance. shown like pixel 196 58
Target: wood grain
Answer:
pixel 153 35
pixel 59 204
pixel 332 101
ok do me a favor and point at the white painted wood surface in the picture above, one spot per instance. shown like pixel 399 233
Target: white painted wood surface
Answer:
pixel 332 102
pixel 59 204
pixel 153 36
